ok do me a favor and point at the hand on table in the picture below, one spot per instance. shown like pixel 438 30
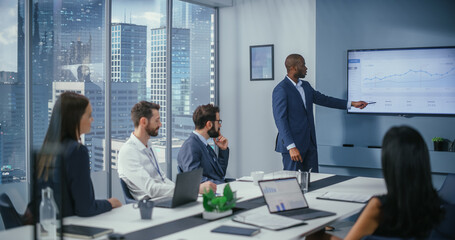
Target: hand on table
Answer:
pixel 206 186
pixel 115 203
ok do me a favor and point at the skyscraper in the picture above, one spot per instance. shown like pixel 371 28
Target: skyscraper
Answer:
pixel 212 60
pixel 192 52
pixel 180 72
pixel 67 35
pixel 129 55
pixel 199 21
pixel 12 117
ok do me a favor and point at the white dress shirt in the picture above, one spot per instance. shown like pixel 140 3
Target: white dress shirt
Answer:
pixel 139 168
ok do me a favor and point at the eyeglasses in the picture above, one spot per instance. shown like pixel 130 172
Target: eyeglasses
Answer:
pixel 219 121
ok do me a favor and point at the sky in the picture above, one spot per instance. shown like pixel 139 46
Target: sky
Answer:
pixel 8 35
pixel 141 12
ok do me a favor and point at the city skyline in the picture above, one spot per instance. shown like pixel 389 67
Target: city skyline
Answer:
pixel 68 54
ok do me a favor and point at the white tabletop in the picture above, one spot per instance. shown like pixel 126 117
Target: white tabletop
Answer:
pixel 126 219
pixel 362 185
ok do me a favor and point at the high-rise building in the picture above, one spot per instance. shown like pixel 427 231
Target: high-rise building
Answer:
pixel 1 147
pixel 180 72
pixel 199 20
pixel 212 60
pixel 193 52
pixel 98 153
pixel 66 35
pixel 12 117
pixel 129 55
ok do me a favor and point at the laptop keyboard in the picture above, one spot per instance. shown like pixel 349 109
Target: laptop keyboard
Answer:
pixel 298 212
pixel 305 214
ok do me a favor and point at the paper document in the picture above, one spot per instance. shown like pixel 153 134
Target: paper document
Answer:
pixel 346 197
pixel 245 179
pixel 269 221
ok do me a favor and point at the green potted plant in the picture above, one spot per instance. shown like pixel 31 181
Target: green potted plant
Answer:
pixel 218 206
pixel 438 143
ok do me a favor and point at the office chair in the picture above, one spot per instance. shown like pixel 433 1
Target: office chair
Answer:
pixel 10 217
pixel 446 192
pixel 126 193
pixel 442 231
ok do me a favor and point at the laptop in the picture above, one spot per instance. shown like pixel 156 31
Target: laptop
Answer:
pixel 284 197
pixel 186 190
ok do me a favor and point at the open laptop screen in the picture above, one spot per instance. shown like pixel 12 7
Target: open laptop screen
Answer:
pixel 283 194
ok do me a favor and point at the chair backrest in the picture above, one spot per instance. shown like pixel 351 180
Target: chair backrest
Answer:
pixel 447 191
pixel 445 229
pixel 126 193
pixel 10 217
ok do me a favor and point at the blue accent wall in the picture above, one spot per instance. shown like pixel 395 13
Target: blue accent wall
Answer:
pixel 360 24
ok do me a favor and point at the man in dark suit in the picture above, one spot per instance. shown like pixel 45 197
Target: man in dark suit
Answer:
pixel 292 103
pixel 197 153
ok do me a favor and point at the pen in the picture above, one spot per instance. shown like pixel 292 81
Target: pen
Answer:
pixel 371 102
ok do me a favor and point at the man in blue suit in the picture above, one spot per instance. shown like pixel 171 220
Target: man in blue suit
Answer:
pixel 197 153
pixel 292 103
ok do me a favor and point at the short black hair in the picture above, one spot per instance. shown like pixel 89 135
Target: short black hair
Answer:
pixel 203 114
pixel 292 60
pixel 143 109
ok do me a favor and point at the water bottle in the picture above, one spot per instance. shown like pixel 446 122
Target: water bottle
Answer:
pixel 47 215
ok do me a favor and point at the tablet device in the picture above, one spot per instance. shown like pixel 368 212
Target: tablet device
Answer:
pixel 236 230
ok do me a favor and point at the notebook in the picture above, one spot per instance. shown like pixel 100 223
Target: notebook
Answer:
pixel 186 190
pixel 84 232
pixel 284 197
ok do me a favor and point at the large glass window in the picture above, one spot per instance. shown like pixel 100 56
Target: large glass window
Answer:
pixel 68 53
pixel 12 92
pixel 135 46
pixel 193 76
pixel 192 68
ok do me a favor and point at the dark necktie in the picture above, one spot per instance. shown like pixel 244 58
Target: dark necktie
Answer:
pixel 216 164
pixel 211 152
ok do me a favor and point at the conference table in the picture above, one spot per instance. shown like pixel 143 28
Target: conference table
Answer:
pixel 185 222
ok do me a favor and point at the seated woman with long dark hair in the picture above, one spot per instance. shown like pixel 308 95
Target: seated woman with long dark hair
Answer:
pixel 411 207
pixel 63 159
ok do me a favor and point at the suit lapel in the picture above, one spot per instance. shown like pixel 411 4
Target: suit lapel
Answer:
pixel 307 95
pixel 216 166
pixel 293 90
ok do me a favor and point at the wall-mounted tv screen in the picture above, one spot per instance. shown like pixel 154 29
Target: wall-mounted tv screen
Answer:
pixel 408 81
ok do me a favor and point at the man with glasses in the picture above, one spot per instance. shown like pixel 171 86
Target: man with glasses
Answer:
pixel 197 153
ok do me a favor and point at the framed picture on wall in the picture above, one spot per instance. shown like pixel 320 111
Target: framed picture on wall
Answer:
pixel 261 62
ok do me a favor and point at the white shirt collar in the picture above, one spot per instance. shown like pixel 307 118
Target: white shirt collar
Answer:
pixel 137 143
pixel 202 138
pixel 299 83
